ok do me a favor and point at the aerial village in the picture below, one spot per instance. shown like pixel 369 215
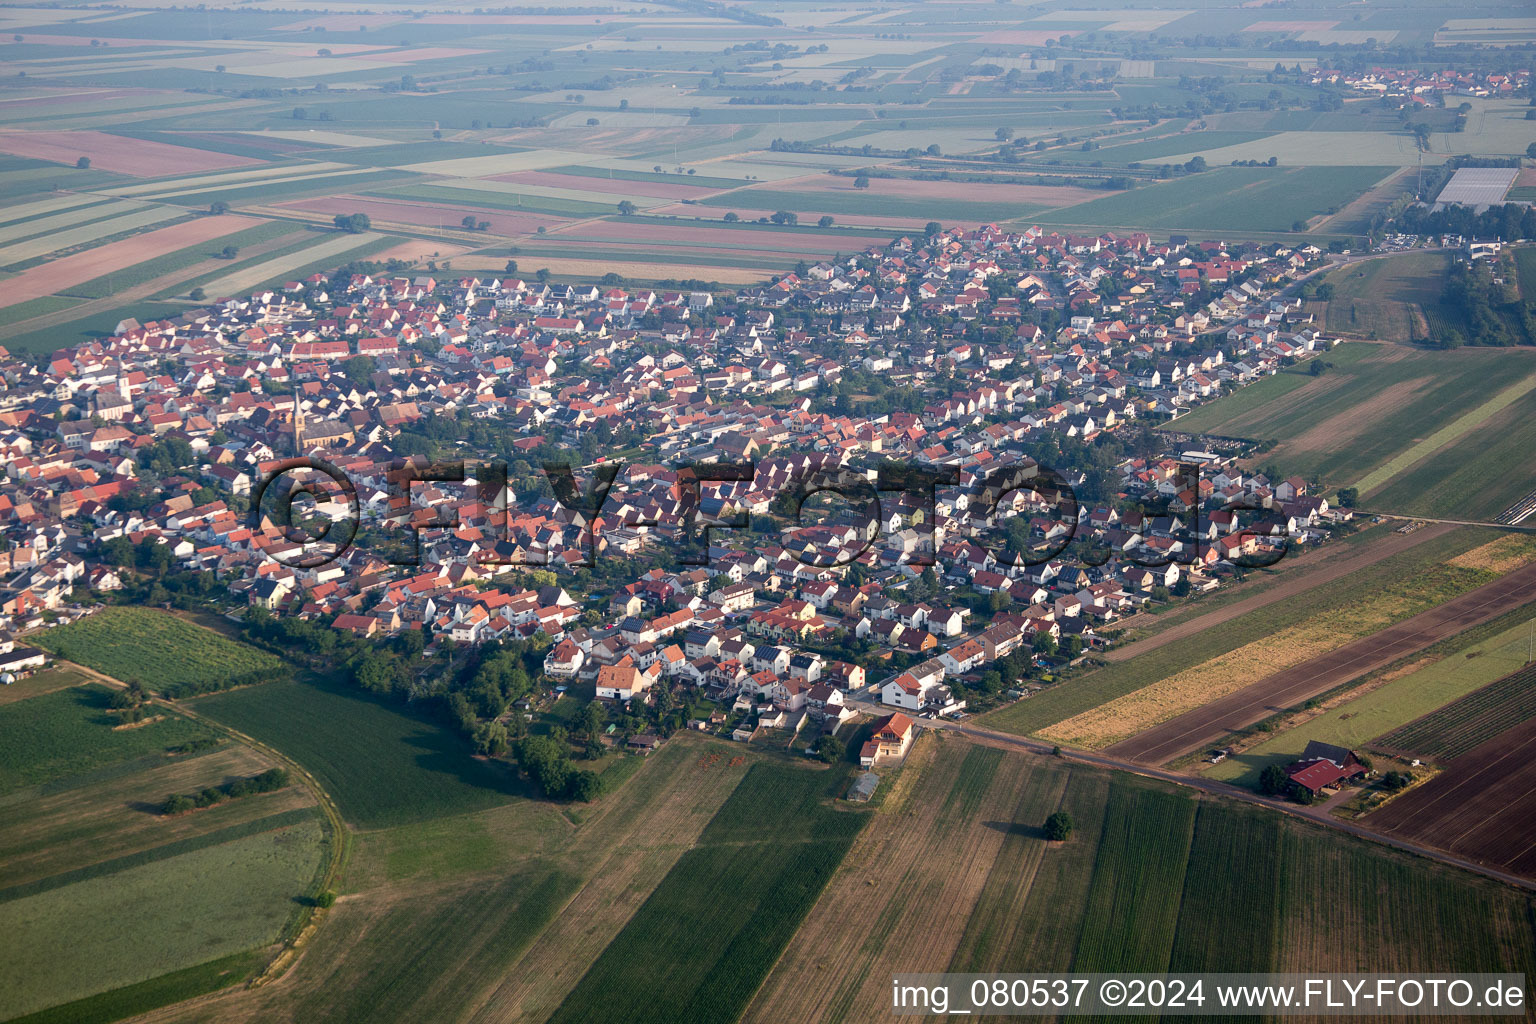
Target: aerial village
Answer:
pixel 972 355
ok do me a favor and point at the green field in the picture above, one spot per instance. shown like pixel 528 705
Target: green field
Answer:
pixel 1394 298
pixel 1375 404
pixel 1466 667
pixel 385 768
pixel 1226 199
pixel 1170 882
pixel 1476 476
pixel 154 647
pixel 700 946
pixel 1525 268
pixel 1474 719
pixel 1416 575
pixel 71 731
pixel 180 911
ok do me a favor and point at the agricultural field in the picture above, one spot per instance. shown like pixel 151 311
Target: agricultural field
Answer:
pixel 1286 644
pixel 1226 199
pixel 1144 880
pixel 756 871
pixel 124 907
pixel 72 731
pixel 503 117
pixel 1375 718
pixel 1477 475
pixel 1394 588
pixel 1462 725
pixel 154 647
pixel 1394 298
pixel 1376 404
pixel 387 768
pixel 1479 807
pixel 494 915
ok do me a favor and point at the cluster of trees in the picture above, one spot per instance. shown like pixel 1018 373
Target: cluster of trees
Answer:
pixel 546 760
pixel 1480 311
pixel 1506 222
pixel 352 223
pixel 208 684
pixel 268 781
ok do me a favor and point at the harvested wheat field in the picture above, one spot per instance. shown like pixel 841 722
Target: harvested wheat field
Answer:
pixel 1501 555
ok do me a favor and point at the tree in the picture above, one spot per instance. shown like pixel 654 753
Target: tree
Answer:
pixel 358 369
pixel 623 104
pixel 583 785
pixel 217 207
pixel 468 222
pixel 824 221
pixel 785 217
pixel 932 228
pixel 197 294
pixel 862 181
pixel 300 114
pixel 731 218
pixel 593 122
pixel 1003 134
pixel 1195 165
pixel 352 223
pixel 830 750
pixel 1530 151
pixel 229 252
pixel 1058 827
pixel 1273 781
pixel 627 208
pixel 83 163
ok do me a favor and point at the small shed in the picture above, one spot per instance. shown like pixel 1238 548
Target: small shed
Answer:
pixel 863 787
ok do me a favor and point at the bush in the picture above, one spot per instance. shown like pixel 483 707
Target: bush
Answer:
pixel 177 803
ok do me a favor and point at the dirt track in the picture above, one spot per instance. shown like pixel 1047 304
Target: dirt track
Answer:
pixel 1481 807
pixel 1297 580
pixel 1286 689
